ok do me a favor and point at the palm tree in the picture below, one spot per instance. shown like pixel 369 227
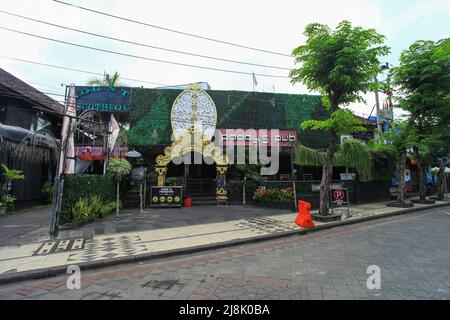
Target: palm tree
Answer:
pixel 111 81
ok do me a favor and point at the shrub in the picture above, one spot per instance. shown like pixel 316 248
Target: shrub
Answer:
pixel 280 195
pixel 78 186
pixel 107 209
pixel 235 187
pixel 81 211
pixel 47 192
pixel 119 167
pixel 86 209
pixel 174 182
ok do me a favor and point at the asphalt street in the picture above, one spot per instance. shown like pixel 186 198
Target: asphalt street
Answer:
pixel 411 251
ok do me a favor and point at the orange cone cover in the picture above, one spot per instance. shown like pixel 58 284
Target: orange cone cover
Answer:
pixel 304 219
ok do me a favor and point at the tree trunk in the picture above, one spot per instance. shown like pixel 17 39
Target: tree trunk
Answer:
pixel 401 177
pixel 420 174
pixel 401 190
pixel 117 199
pixel 327 173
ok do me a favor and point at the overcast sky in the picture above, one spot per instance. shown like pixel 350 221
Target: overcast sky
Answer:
pixel 271 25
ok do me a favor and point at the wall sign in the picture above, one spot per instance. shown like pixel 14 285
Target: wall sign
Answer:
pixel 102 99
pixel 248 137
pixel 166 197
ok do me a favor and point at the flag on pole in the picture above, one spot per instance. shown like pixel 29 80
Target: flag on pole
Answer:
pixel 255 82
pixel 114 129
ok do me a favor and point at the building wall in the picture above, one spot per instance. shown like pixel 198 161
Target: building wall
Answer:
pixel 150 113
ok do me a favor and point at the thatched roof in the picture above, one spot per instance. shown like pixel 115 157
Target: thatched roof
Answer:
pixel 34 147
pixel 20 87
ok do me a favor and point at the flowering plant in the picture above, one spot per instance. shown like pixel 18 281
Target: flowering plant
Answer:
pixel 280 195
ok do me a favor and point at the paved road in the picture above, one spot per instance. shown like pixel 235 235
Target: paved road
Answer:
pixel 412 251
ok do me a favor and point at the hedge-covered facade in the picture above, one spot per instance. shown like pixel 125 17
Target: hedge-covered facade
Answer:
pixel 150 113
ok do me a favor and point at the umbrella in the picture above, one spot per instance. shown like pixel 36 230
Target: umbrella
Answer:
pixel 133 154
pixel 435 170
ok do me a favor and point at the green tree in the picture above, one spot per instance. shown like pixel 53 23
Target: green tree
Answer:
pixel 340 64
pixel 118 168
pixel 422 87
pixel 108 80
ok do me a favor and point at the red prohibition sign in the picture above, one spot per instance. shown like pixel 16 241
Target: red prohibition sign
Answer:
pixel 339 194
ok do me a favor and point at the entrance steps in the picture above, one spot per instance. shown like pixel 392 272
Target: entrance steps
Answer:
pixel 202 199
pixel 132 198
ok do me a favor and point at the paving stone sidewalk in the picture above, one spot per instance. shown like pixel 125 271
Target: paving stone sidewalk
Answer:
pixel 102 248
pixel 412 251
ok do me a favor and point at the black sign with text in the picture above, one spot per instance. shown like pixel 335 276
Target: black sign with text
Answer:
pixel 102 99
pixel 166 197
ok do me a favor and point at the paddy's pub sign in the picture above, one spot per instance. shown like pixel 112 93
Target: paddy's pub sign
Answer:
pixel 102 99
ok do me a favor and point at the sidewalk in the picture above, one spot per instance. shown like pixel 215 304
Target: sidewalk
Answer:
pixel 51 257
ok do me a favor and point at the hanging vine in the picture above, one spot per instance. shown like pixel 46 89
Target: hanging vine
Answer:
pixel 352 154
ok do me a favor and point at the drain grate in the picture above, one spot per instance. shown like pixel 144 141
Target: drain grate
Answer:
pixel 58 246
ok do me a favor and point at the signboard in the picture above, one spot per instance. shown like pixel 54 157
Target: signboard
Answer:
pixel 339 197
pixel 253 137
pixel 348 176
pixel 166 197
pixel 316 187
pixel 102 99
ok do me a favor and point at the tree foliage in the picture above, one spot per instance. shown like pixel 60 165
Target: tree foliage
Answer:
pixel 107 80
pixel 341 122
pixel 340 64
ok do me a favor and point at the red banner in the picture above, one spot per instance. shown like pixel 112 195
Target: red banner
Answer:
pixel 253 137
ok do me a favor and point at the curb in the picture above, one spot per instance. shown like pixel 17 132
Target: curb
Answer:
pixel 54 271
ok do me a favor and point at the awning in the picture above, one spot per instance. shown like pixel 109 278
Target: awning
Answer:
pixel 98 153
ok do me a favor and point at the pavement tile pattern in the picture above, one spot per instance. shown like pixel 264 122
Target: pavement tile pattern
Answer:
pixel 109 248
pixel 412 251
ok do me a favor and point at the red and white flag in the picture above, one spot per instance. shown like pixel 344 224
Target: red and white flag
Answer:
pixel 255 82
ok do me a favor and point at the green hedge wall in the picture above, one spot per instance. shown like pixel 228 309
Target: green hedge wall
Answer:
pixel 82 185
pixel 150 113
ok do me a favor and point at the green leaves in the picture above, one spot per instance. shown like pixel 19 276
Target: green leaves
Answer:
pixel 340 64
pixel 341 121
pixel 119 167
pixel 352 153
pixel 12 174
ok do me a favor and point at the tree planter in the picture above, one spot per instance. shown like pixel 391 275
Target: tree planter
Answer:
pixel 327 218
pixel 423 201
pixel 397 204
pixel 276 205
pixel 3 211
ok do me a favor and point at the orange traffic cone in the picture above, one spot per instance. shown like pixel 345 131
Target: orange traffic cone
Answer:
pixel 304 219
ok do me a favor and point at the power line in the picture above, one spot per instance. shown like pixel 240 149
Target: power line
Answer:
pixel 142 57
pixel 144 44
pixel 216 92
pixel 78 70
pixel 172 30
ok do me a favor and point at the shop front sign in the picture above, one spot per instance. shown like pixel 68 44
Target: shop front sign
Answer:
pixel 253 137
pixel 102 99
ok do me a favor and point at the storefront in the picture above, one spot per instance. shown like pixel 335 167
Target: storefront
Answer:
pixel 201 139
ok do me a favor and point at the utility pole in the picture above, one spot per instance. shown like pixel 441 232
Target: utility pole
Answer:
pixel 377 103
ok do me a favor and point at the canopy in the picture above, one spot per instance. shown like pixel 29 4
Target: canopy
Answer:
pixel 133 154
